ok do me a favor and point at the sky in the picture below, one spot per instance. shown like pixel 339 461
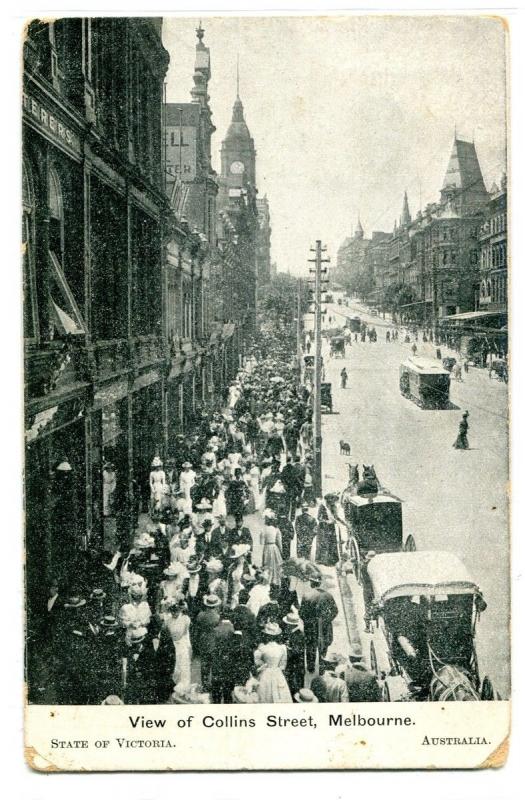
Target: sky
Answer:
pixel 349 111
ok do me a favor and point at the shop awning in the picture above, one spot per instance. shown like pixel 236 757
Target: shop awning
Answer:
pixel 469 316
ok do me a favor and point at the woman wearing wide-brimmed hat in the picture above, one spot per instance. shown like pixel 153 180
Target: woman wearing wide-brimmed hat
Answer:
pixel 270 659
pixel 187 480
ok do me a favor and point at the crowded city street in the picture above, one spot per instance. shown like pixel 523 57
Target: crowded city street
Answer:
pixel 452 500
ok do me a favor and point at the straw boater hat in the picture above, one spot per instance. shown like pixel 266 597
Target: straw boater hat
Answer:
pixel 269 514
pixel 204 505
pixel 211 601
pixel 109 622
pixel 137 635
pixel 214 566
pixel 193 567
pixel 305 696
pixel 272 629
pixel 186 465
pixel 97 594
pixel 144 541
pixel 292 618
pixel 239 550
pixel 156 462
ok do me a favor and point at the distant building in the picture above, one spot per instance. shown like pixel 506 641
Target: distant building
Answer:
pixel 263 243
pixel 238 227
pixel 350 269
pixel 492 295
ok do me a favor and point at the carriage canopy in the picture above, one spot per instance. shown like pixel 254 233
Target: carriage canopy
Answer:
pixel 428 573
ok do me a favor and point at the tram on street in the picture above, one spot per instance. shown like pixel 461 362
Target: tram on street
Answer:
pixel 355 324
pixel 423 609
pixel 425 382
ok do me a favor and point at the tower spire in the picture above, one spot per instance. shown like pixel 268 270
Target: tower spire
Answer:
pixel 238 75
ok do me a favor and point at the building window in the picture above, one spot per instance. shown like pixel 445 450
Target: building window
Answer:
pixel 473 257
pixel 65 314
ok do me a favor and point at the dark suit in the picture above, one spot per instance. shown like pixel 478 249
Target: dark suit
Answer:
pixel 305 529
pixel 222 663
pixel 244 620
pixel 140 682
pixel 202 636
pixel 318 610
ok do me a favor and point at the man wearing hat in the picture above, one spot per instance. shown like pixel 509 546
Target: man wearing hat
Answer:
pixel 202 636
pixel 318 611
pixel 106 657
pixel 240 534
pixel 205 547
pixel 222 660
pixel 295 646
pixel 193 588
pixel 220 538
pixel 306 531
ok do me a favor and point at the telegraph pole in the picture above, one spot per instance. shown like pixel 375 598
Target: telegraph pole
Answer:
pixel 318 441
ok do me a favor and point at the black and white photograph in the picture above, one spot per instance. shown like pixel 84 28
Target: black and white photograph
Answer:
pixel 266 363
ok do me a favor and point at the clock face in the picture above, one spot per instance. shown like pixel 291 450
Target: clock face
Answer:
pixel 237 168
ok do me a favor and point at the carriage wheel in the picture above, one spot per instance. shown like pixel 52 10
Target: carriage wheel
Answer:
pixel 355 559
pixel 487 689
pixel 410 544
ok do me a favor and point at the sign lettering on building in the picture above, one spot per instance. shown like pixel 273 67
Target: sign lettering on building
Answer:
pixel 181 152
pixel 47 122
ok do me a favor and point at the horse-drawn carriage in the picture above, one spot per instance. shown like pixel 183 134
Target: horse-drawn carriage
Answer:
pixel 500 369
pixel 373 518
pixel 355 324
pixel 337 346
pixel 423 608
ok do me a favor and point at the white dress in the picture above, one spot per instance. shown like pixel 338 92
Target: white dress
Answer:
pixel 219 505
pixel 158 486
pixel 179 630
pixel 271 659
pixel 186 481
pixel 259 596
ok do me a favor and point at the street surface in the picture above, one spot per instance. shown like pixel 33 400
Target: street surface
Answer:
pixel 453 500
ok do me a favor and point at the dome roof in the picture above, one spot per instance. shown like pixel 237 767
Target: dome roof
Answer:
pixel 238 128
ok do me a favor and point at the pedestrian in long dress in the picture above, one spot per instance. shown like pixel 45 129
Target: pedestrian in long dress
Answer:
pixel 461 442
pixel 271 541
pixel 326 551
pixel 270 660
pixel 177 623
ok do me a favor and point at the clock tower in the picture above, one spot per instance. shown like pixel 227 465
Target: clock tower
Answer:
pixel 237 156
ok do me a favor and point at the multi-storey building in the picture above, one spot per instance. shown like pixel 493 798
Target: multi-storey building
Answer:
pixel 492 294
pixel 93 219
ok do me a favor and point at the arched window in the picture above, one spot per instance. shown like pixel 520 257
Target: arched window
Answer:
pixel 28 255
pixel 56 215
pixel 65 314
pixel 483 290
pixel 489 288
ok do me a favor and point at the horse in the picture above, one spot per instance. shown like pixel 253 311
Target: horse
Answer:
pixel 370 482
